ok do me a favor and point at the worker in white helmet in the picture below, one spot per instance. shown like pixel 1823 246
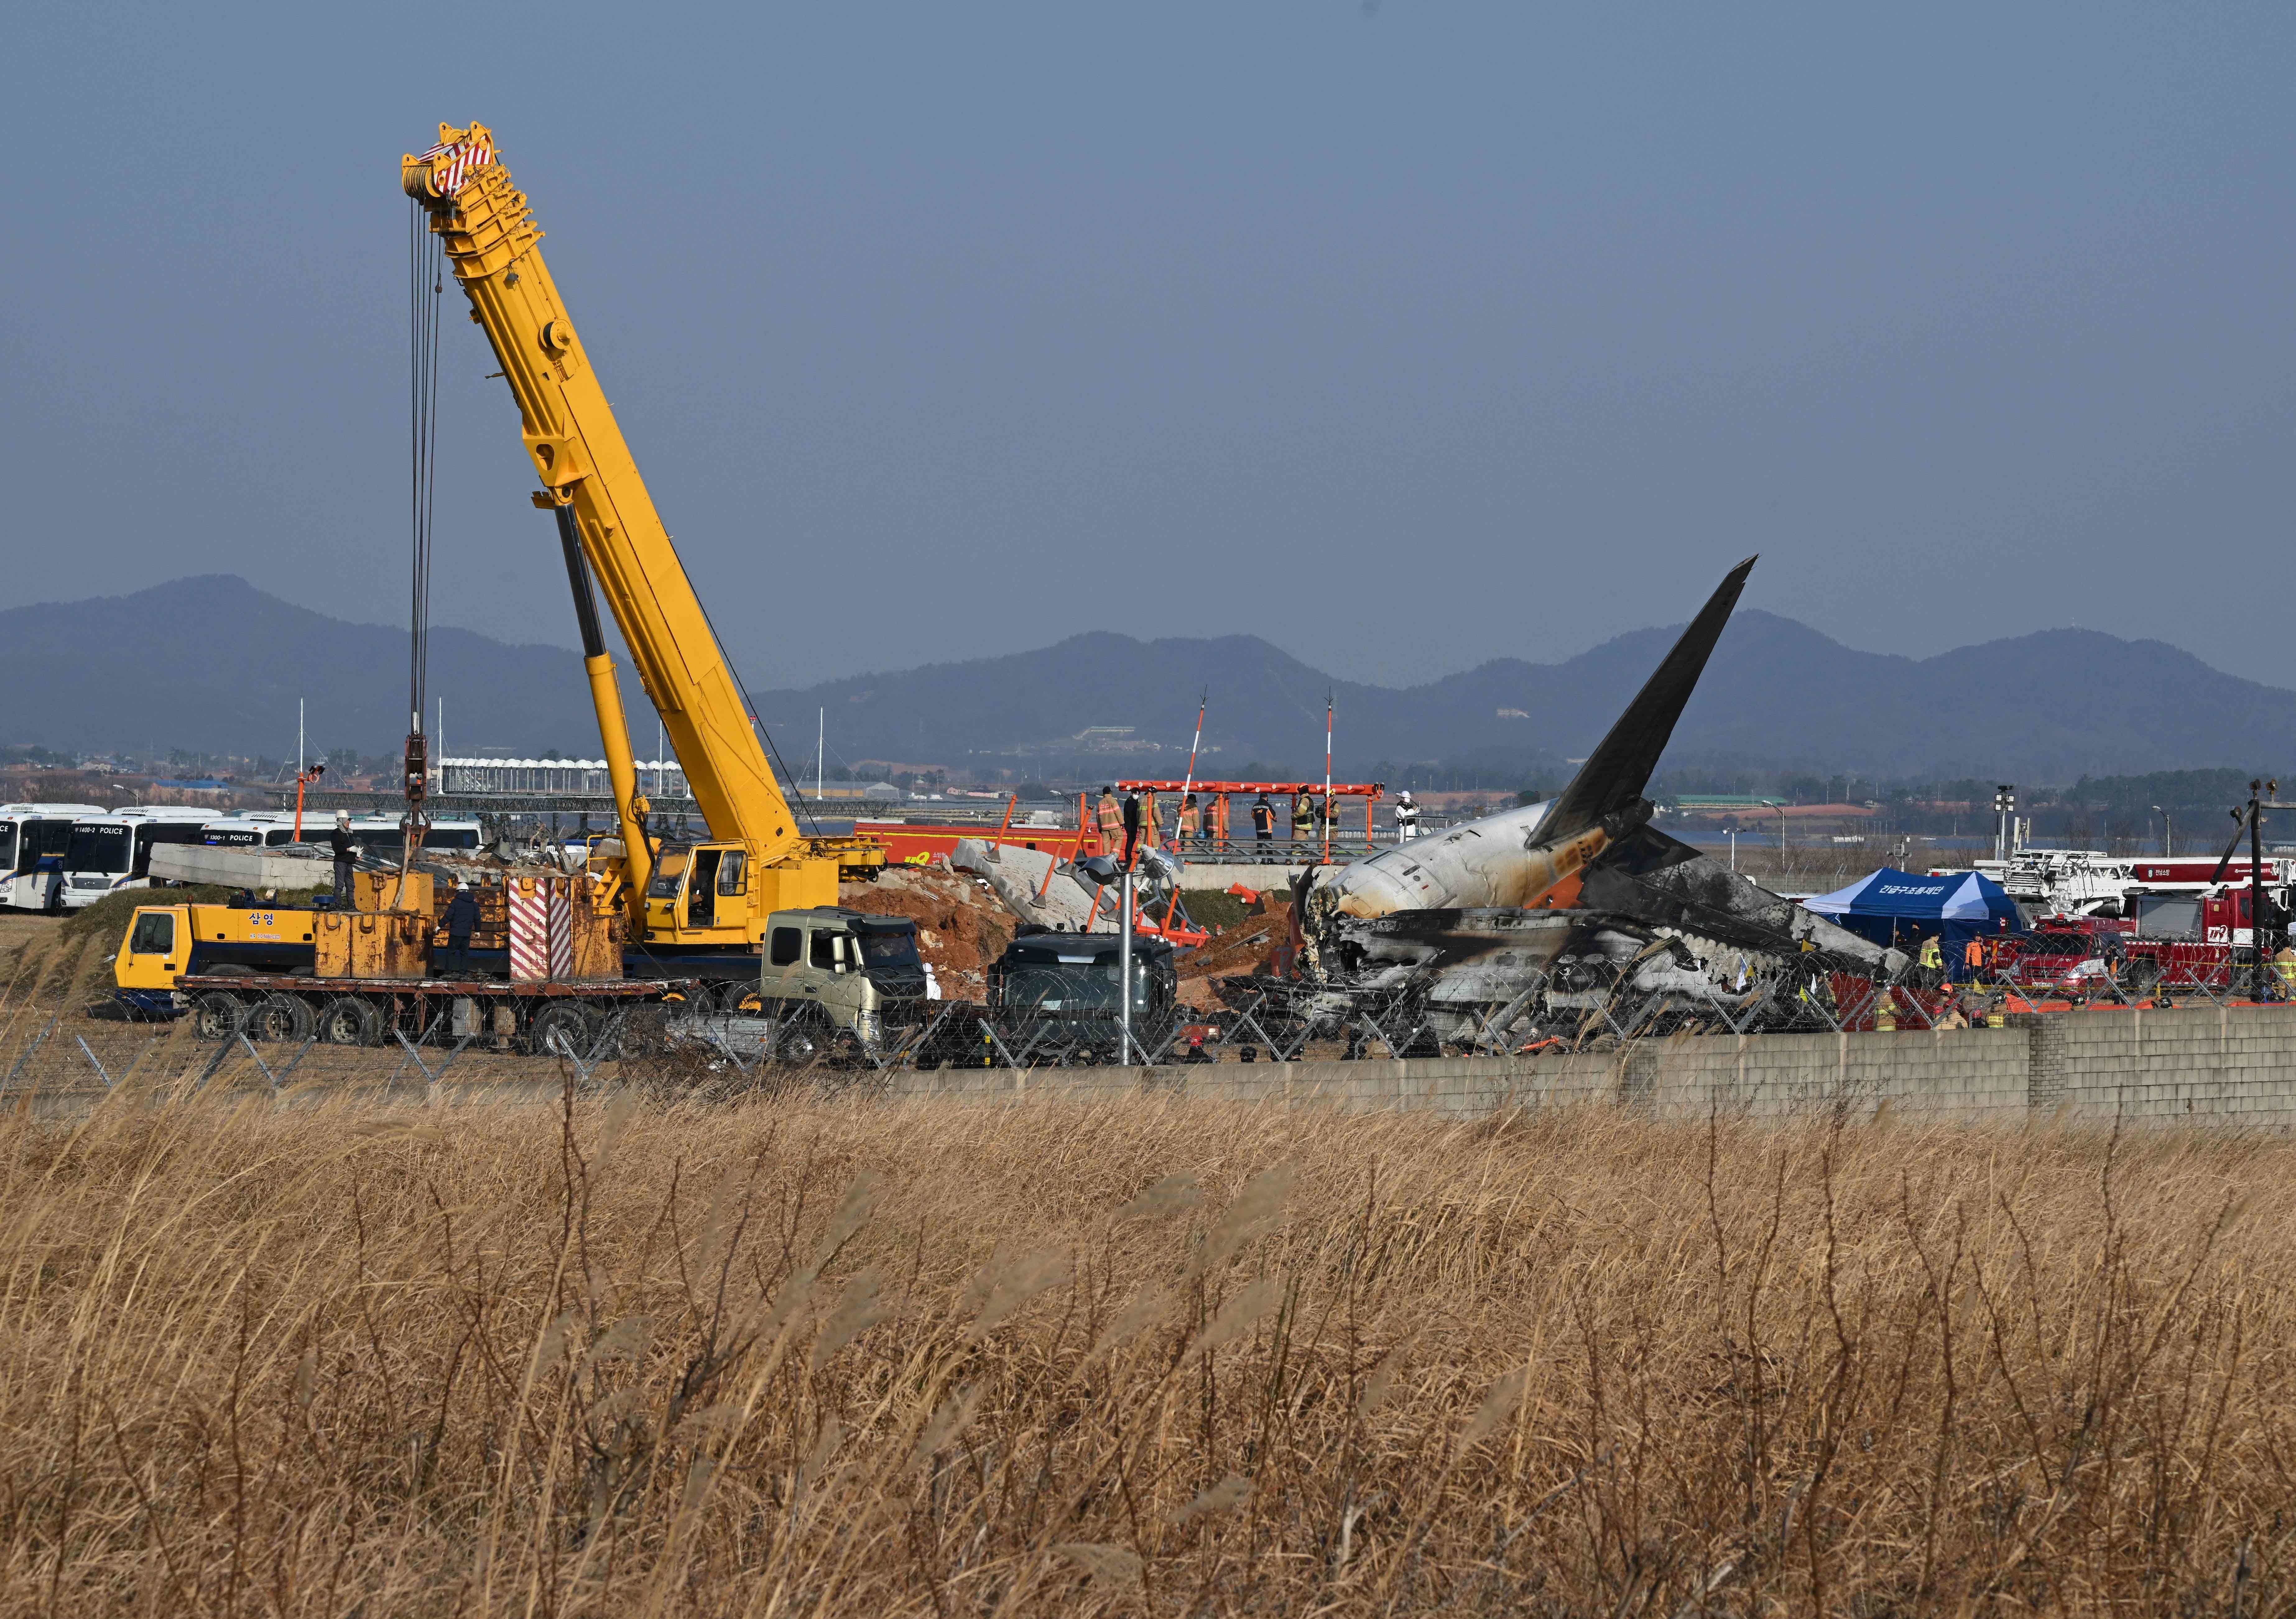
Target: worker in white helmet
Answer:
pixel 1406 818
pixel 339 844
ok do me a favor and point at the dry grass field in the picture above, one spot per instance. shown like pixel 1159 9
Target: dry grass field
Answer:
pixel 822 1356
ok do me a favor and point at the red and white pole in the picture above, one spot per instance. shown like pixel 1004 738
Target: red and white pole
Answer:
pixel 1327 777
pixel 1188 783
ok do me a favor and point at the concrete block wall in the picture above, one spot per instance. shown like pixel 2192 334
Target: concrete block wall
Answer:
pixel 2237 1062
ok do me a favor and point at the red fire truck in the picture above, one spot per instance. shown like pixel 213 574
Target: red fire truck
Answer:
pixel 2196 939
pixel 2193 935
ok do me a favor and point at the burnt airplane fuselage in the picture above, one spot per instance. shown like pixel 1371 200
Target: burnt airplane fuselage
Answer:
pixel 1551 908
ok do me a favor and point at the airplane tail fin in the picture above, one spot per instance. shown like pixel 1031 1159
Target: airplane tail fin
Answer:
pixel 1616 772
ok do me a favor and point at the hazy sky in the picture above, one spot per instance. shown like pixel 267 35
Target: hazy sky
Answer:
pixel 1406 335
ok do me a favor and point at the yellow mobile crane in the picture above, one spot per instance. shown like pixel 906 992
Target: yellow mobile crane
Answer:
pixel 717 894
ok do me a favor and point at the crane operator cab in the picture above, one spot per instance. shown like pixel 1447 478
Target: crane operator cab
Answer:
pixel 701 896
pixel 834 978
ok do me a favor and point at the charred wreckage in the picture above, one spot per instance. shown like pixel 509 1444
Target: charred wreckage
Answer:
pixel 1568 920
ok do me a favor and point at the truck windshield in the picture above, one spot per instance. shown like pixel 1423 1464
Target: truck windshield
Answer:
pixel 2168 916
pixel 888 949
pixel 100 848
pixel 1059 989
pixel 1071 987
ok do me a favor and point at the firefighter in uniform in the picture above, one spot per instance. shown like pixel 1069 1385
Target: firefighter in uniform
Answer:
pixel 1303 818
pixel 1263 820
pixel 1110 820
pixel 1152 821
pixel 1191 822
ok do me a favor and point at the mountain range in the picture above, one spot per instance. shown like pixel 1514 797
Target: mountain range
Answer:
pixel 215 665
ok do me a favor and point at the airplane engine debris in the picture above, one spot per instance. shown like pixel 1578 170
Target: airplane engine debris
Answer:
pixel 1069 900
pixel 1567 918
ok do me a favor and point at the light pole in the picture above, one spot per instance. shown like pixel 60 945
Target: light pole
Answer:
pixel 1123 976
pixel 2167 833
pixel 1103 870
pixel 2004 807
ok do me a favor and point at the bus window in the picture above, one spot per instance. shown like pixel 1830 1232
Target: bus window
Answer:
pixel 100 848
pixel 163 831
pixel 7 846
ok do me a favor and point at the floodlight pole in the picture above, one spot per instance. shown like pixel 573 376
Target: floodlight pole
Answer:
pixel 2257 794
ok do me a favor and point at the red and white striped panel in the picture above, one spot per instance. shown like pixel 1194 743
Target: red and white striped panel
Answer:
pixel 562 930
pixel 541 930
pixel 529 929
pixel 461 157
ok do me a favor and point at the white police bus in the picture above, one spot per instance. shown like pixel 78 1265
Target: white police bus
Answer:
pixel 111 851
pixel 33 840
pixel 372 835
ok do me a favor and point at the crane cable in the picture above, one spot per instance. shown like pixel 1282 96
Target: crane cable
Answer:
pixel 425 260
pixel 425 263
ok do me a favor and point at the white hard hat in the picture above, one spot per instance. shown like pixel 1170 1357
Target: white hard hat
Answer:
pixel 342 817
pixel 1403 797
pixel 462 887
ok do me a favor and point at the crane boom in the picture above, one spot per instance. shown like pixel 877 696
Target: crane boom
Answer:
pixel 587 472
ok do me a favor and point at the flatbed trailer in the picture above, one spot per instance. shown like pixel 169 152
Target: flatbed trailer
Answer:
pixel 535 1016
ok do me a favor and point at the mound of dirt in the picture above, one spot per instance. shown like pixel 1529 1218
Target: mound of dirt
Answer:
pixel 960 925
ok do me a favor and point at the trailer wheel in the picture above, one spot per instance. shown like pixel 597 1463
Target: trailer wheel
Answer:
pixel 216 1015
pixel 560 1026
pixel 350 1021
pixel 280 1017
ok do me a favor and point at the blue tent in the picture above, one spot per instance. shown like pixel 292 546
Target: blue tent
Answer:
pixel 1895 907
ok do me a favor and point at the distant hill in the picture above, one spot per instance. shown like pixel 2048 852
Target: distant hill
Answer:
pixel 214 663
pixel 2048 707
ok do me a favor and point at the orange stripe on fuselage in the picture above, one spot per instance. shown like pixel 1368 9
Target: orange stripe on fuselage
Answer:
pixel 1570 862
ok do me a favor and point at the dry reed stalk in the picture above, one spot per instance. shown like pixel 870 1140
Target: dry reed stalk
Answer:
pixel 1134 1357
